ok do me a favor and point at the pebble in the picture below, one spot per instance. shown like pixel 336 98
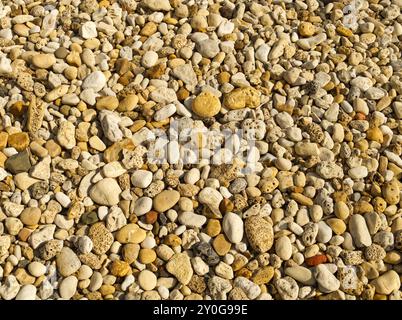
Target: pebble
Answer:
pixel 27 292
pixel 37 269
pixel 359 231
pixel 259 233
pixel 327 282
pixel 165 200
pixel 43 61
pixel 95 81
pixel 283 248
pixel 206 105
pixel 233 227
pixel 179 265
pixel 147 280
pixel 387 282
pixel 105 192
pixel 68 287
pixel 141 178
pixel 67 262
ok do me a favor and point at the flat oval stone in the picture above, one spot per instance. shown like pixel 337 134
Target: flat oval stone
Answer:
pixel 130 233
pixel 166 200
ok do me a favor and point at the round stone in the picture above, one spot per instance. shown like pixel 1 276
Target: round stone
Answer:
pixel 206 105
pixel 147 280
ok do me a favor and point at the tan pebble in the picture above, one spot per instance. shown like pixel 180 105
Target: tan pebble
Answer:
pixel 120 268
pixel 107 103
pixel 101 237
pixel 263 275
pixel 165 200
pixel 302 199
pixel 206 105
pixel 221 245
pixel 130 233
pixel 128 103
pixel 387 282
pixel 213 227
pixel 259 233
pixel 375 134
pixel 30 216
pixel 242 97
pixel 172 240
pixel 107 289
pixel 393 257
pixel 306 29
pixel 53 148
pixel 130 252
pixel 341 210
pixel 391 192
pixel 43 61
pixel 337 225
pixel 3 139
pixel 19 141
pixel 179 265
pixel 96 143
pixel 147 256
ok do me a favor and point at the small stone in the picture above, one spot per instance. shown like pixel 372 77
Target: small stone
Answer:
pixel 19 141
pixel 68 287
pixel 147 280
pixel 66 135
pixel 287 288
pixel 19 162
pixel 166 200
pixel 391 192
pixel 149 59
pixel 107 103
pixel 101 237
pixel 43 61
pixel 208 48
pixel 213 227
pixel 212 198
pixel 106 192
pixel 179 265
pixel 206 105
pixel 141 178
pixel 30 216
pixel 42 234
pixel 221 245
pixel 130 233
pixel 259 233
pixel 95 81
pixel 359 231
pixel 191 219
pixel 306 29
pixel 157 5
pixel 120 268
pixel 147 256
pixel 242 97
pixel 67 262
pixel 50 249
pixel 27 292
pixel 301 274
pixel 129 103
pixel 283 248
pixel 88 30
pixel 327 282
pixel 387 282
pixel 142 206
pixel 233 227
pixel 263 275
